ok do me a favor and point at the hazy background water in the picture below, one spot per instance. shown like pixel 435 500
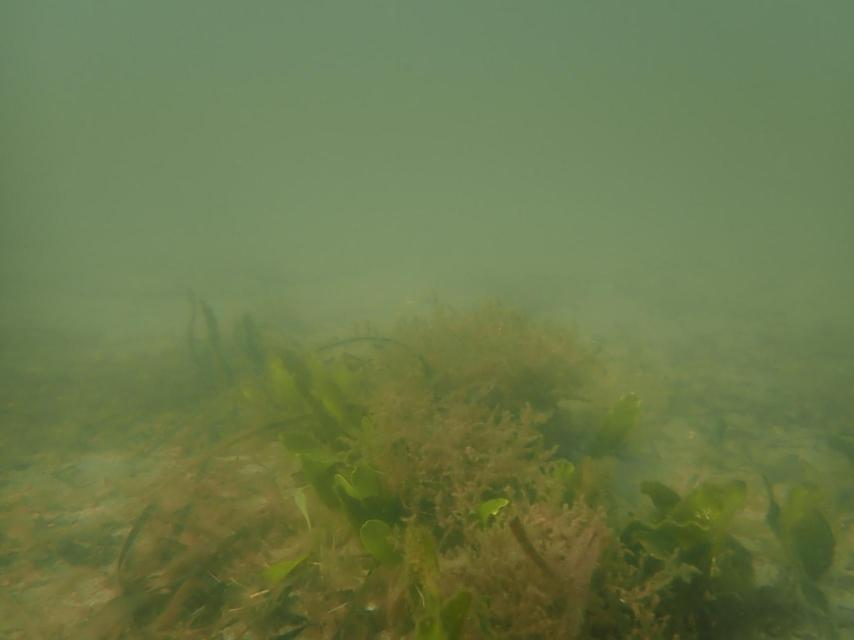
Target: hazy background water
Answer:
pixel 669 162
pixel 674 177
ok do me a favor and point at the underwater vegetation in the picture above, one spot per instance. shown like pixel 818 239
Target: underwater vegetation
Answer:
pixel 447 481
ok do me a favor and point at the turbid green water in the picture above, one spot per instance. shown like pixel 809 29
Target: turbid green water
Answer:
pixel 670 180
pixel 676 154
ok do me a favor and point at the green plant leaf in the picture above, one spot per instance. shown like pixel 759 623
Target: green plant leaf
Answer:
pixel 711 505
pixel 564 471
pixel 364 483
pixel 490 509
pixel 620 421
pixel 662 540
pixel 806 532
pixel 342 483
pixel 302 505
pixel 430 629
pixel 367 482
pixel 454 613
pixel 375 536
pixel 446 624
pixel 320 473
pixel 282 385
pixel 278 571
pixel 422 558
pixel 663 497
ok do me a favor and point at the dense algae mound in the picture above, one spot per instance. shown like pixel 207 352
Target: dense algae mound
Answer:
pixel 453 479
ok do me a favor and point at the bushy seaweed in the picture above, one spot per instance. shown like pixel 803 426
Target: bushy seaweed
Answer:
pixel 437 484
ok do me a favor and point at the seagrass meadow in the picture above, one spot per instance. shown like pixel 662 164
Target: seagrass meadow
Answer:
pixel 410 320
